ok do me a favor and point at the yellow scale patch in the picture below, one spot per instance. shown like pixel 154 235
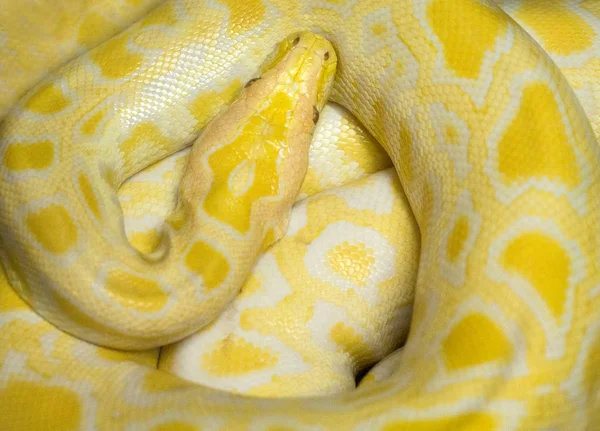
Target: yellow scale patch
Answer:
pixel 252 286
pixel 248 358
pixel 592 379
pixel 370 156
pixel 147 358
pixel 90 197
pixel 162 15
pixel 536 143
pixel 156 382
pixel 260 142
pixel 361 148
pixel 544 263
pixel 352 261
pixel 44 399
pixel 467 422
pixel 90 126
pixel 379 29
pixel 242 20
pixel 53 228
pixel 452 135
pixel 92 25
pixel 486 25
pixel 349 341
pixel 561 30
pixel 145 138
pixel 473 341
pixel 203 107
pixel 35 156
pixel 175 426
pixel 311 184
pixel 49 99
pixel 9 300
pixel 457 239
pixel 146 241
pixel 206 261
pixel 135 292
pixel 114 59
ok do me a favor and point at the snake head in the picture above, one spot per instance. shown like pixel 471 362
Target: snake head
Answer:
pixel 310 60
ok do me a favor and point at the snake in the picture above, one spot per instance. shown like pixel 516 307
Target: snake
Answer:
pixel 486 116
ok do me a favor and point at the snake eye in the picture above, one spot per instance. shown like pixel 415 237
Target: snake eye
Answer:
pixel 252 81
pixel 326 56
pixel 315 114
pixel 296 41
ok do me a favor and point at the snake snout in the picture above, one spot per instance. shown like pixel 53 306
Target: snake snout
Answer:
pixel 310 59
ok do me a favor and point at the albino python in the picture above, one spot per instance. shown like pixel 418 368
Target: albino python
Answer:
pixel 491 125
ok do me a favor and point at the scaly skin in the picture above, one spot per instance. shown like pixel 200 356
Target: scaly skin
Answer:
pixel 520 262
pixel 241 178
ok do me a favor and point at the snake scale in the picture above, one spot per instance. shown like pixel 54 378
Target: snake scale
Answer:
pixel 470 239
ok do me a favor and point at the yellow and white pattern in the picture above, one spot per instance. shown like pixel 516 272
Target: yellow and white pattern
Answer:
pixel 491 122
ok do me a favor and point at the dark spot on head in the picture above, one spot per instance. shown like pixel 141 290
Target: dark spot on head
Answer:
pixel 296 41
pixel 252 81
pixel 315 114
pixel 326 56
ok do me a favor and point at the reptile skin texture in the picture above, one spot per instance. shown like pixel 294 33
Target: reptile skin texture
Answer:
pixel 300 215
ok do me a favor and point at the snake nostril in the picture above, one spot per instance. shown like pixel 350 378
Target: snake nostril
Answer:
pixel 326 56
pixel 315 114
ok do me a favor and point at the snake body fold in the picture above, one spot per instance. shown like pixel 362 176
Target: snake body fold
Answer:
pixel 240 182
pixel 492 142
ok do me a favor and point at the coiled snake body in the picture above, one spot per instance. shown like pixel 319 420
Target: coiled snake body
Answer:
pixel 492 147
